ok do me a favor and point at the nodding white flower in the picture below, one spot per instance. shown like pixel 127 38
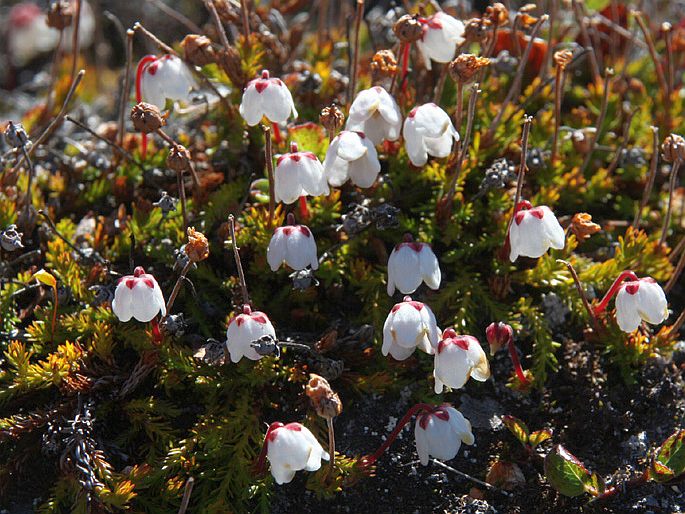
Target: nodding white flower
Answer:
pixel 439 433
pixel 293 245
pixel 244 329
pixel 298 174
pixel 411 263
pixel 265 96
pixel 533 231
pixel 375 113
pixel 165 77
pixel 138 296
pixel 292 448
pixel 458 358
pixel 351 155
pixel 441 35
pixel 410 325
pixel 641 299
pixel 428 130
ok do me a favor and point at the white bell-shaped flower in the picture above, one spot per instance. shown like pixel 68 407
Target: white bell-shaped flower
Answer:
pixel 640 300
pixel 244 329
pixel 458 358
pixel 292 448
pixel 293 245
pixel 265 96
pixel 351 155
pixel 533 231
pixel 298 174
pixel 375 113
pixel 440 432
pixel 165 77
pixel 441 35
pixel 411 263
pixel 138 296
pixel 410 325
pixel 428 130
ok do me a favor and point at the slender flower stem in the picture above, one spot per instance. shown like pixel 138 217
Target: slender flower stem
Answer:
pixel 608 73
pixel 437 94
pixel 304 211
pixel 624 142
pixel 678 323
pixel 515 34
pixel 138 27
pixel 322 27
pixel 75 40
pixel 523 167
pixel 28 199
pixel 676 251
pixel 663 84
pixel 123 101
pixel 238 264
pixel 369 460
pixel 268 157
pixel 331 446
pixel 517 363
pixel 652 176
pixel 671 191
pixel 278 138
pixel 187 491
pixel 614 289
pixel 405 66
pixel 464 144
pixel 550 34
pixel 139 96
pixel 261 460
pixel 54 72
pixel 217 21
pixel 459 111
pixel 581 293
pixel 587 42
pixel 668 37
pixel 182 195
pixel 516 83
pixel 558 93
pixel 244 16
pixel 355 55
pixel 469 477
pixel 177 288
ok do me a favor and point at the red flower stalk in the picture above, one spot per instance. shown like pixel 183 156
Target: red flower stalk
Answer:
pixel 614 289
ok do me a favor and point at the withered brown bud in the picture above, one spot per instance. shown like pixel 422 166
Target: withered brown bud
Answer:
pixel 582 139
pixel 197 247
pixel 497 14
pixel 332 118
pixel 198 50
pixel 673 148
pixel 229 61
pixel 60 14
pixel 526 20
pixel 147 118
pixel 476 30
pixel 408 28
pixel 582 226
pixel 383 64
pixel 465 66
pixel 325 401
pixel 178 158
pixel 562 58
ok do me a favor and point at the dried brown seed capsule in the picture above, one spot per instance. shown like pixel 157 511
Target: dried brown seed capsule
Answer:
pixel 198 50
pixel 197 247
pixel 497 14
pixel 325 401
pixel 332 118
pixel 408 28
pixel 383 64
pixel 147 118
pixel 60 15
pixel 476 30
pixel 562 58
pixel 229 61
pixel 465 66
pixel 673 148
pixel 582 139
pixel 178 158
pixel 582 226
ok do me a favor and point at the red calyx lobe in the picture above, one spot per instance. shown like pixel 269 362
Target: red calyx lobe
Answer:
pixel 449 336
pixel 412 113
pixel 522 210
pixel 407 301
pixel 439 412
pixel 632 287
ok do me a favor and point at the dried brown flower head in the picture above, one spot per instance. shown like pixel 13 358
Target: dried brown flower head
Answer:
pixel 582 139
pixel 198 50
pixel 147 118
pixel 465 66
pixel 408 28
pixel 562 58
pixel 332 118
pixel 673 148
pixel 497 14
pixel 229 61
pixel 325 401
pixel 178 158
pixel 526 19
pixel 476 30
pixel 197 247
pixel 60 14
pixel 383 64
pixel 582 226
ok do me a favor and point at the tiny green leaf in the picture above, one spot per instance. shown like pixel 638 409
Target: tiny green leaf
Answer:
pixel 669 461
pixel 539 436
pixel 565 472
pixel 44 277
pixel 517 427
pixel 594 484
